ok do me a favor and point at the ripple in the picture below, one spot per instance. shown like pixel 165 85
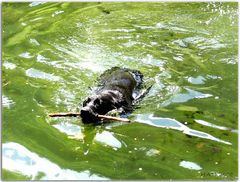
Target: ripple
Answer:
pixel 152 61
pixel 25 55
pixel 196 80
pixel 6 102
pixel 8 65
pixel 107 138
pixel 178 58
pixel 190 165
pixel 229 60
pixel 184 97
pixel 68 128
pixel 73 131
pixel 34 73
pixel 17 158
pixel 205 123
pixel 176 125
pixel 162 26
pixel 34 42
pixel 152 152
pixel 36 3
pixel 57 13
pixel 119 30
pixel 170 27
pixel 130 43
pixel 86 56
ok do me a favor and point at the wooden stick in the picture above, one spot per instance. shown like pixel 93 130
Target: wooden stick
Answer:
pixel 72 114
pixel 113 118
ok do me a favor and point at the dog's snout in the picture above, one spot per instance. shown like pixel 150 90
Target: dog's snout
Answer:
pixel 88 116
pixel 84 111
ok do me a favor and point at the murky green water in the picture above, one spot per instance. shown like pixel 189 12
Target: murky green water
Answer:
pixel 186 128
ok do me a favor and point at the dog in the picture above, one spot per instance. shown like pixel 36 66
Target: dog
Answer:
pixel 118 89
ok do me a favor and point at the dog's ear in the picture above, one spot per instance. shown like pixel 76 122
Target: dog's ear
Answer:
pixel 97 101
pixel 86 101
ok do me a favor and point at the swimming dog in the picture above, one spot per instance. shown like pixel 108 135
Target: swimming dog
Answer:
pixel 119 88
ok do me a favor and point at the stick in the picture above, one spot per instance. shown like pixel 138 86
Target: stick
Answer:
pixel 72 114
pixel 113 118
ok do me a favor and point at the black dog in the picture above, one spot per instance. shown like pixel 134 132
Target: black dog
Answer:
pixel 117 86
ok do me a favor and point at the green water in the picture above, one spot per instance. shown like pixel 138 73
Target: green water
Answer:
pixel 185 128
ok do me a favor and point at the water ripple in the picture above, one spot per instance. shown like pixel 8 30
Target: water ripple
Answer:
pixel 184 97
pixel 205 123
pixel 107 138
pixel 176 125
pixel 190 165
pixel 16 157
pixel 34 73
pixel 6 102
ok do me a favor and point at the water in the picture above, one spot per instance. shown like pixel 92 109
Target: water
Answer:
pixel 185 128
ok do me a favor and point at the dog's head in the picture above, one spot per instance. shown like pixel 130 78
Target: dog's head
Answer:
pixel 99 104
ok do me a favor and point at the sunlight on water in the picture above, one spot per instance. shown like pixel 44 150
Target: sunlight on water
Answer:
pixel 52 57
pixel 190 165
pixel 7 102
pixel 107 138
pixel 174 124
pixel 25 55
pixel 86 57
pixel 196 80
pixel 16 157
pixel 153 152
pixel 9 65
pixel 184 97
pixel 68 128
pixel 34 73
pixel 205 123
pixel 36 3
pixel 72 130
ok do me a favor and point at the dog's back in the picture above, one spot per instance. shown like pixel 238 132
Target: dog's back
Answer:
pixel 115 91
pixel 123 80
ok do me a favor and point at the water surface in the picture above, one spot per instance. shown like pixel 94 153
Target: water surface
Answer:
pixel 185 128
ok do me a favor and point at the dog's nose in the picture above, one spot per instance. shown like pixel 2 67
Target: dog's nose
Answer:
pixel 88 116
pixel 84 112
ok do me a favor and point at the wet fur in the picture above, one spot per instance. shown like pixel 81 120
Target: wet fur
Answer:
pixel 116 89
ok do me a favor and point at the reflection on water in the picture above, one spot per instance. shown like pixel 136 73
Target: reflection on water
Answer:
pixel 74 131
pixel 107 138
pixel 191 94
pixel 53 53
pixel 68 128
pixel 196 80
pixel 25 55
pixel 7 102
pixel 205 123
pixel 190 165
pixel 9 65
pixel 32 72
pixel 174 124
pixel 17 158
